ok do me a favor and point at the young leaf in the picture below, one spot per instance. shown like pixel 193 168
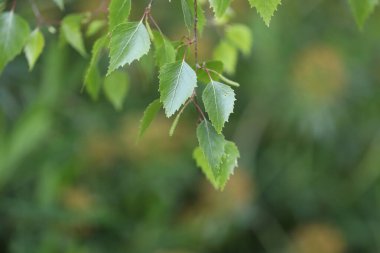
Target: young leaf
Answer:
pixel 92 79
pixel 118 12
pixel 14 32
pixel 212 145
pixel 266 8
pixel 229 162
pixel 362 9
pixel 34 47
pixel 71 31
pixel 149 115
pixel 94 27
pixel 60 3
pixel 165 52
pixel 129 42
pixel 116 88
pixel 218 99
pixel 240 36
pixel 220 6
pixel 177 83
pixel 226 53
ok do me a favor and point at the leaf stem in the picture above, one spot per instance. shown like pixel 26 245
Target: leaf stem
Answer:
pixel 223 78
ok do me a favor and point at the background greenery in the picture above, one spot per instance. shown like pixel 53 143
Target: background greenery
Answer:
pixel 73 179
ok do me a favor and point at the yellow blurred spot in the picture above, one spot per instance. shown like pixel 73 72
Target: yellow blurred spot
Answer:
pixel 318 238
pixel 319 74
pixel 77 199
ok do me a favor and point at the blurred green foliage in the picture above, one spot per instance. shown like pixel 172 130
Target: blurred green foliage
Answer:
pixel 73 179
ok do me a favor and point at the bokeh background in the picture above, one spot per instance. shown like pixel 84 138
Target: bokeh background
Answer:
pixel 73 179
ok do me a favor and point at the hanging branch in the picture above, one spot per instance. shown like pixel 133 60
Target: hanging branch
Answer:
pixel 196 33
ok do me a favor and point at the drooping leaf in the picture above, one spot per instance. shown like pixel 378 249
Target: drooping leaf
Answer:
pixel 212 145
pixel 94 27
pixel 228 54
pixel 189 15
pixel 116 88
pixel 92 78
pixel 266 8
pixel 129 42
pixel 71 31
pixel 362 9
pixel 14 33
pixel 240 36
pixel 60 3
pixel 34 47
pixel 219 100
pixel 164 50
pixel 118 12
pixel 229 162
pixel 177 83
pixel 220 6
pixel 149 115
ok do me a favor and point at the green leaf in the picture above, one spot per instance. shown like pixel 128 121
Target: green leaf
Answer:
pixel 60 3
pixel 228 54
pixel 213 68
pixel 92 79
pixel 116 88
pixel 219 100
pixel 189 15
pixel 212 145
pixel 266 8
pixel 34 47
pixel 220 7
pixel 71 31
pixel 149 115
pixel 229 162
pixel 118 12
pixel 165 52
pixel 14 33
pixel 362 9
pixel 241 37
pixel 94 27
pixel 129 42
pixel 177 83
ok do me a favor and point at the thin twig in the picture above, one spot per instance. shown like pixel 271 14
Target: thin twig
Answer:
pixel 195 42
pixel 37 13
pixel 196 33
pixel 197 106
pixel 101 9
pixel 14 5
pixel 155 23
